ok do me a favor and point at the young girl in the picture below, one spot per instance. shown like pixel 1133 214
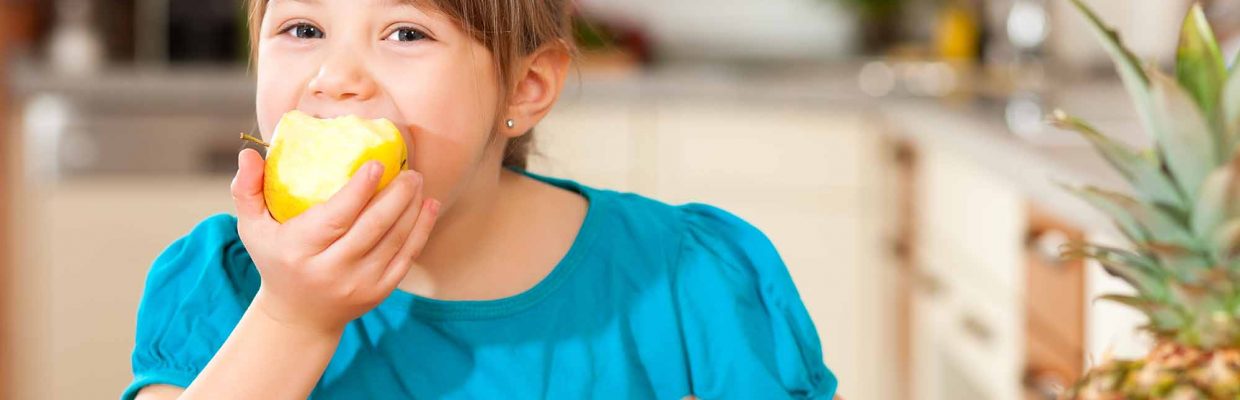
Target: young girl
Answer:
pixel 467 277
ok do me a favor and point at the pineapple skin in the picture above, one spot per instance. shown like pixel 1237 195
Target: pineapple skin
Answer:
pixel 1170 371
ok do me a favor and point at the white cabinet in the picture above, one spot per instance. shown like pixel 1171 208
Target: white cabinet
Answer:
pixel 588 142
pixel 84 251
pixel 968 317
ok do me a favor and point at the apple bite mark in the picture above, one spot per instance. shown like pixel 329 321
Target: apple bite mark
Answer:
pixel 310 159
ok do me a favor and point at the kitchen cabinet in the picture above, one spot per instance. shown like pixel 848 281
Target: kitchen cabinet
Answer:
pixel 994 312
pixel 1054 308
pixel 967 315
pixel 98 275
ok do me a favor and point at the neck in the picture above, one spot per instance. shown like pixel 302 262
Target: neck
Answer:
pixel 465 235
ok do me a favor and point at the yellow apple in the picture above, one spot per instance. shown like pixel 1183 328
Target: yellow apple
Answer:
pixel 310 159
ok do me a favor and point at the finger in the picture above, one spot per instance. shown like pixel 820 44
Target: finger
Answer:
pixel 413 245
pixel 330 220
pixel 382 253
pixel 247 191
pixel 378 217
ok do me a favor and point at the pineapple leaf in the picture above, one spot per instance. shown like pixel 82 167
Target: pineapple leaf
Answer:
pixel 1117 208
pixel 1126 63
pixel 1163 318
pixel 1145 174
pixel 1225 243
pixel 1214 202
pixel 1183 134
pixel 1200 67
pixel 1150 228
pixel 1139 271
pixel 1155 224
pixel 1180 260
pixel 1231 106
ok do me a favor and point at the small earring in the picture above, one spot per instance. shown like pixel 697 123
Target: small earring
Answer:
pixel 510 123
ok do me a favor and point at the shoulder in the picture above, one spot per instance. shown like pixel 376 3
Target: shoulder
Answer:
pixel 739 310
pixel 696 234
pixel 196 291
pixel 211 252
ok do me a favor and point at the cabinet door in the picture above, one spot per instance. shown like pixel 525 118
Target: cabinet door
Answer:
pixel 968 240
pixel 809 178
pixel 99 275
pixel 1055 308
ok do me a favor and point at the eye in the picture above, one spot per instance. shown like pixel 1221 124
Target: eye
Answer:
pixel 304 31
pixel 406 35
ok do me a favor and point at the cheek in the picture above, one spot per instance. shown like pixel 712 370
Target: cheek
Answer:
pixel 451 111
pixel 278 86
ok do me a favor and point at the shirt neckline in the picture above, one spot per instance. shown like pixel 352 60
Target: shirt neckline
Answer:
pixel 496 308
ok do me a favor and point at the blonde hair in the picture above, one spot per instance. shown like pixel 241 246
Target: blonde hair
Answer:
pixel 511 29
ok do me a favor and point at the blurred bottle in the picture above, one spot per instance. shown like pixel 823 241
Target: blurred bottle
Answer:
pixel 75 48
pixel 958 32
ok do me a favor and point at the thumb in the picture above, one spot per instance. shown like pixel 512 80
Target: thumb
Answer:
pixel 247 187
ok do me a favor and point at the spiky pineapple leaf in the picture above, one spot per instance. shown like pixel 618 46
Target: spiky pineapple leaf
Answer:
pixel 1216 203
pixel 1138 270
pixel 1184 137
pixel 1117 208
pixel 1225 241
pixel 1126 64
pixel 1143 173
pixel 1230 110
pixel 1145 225
pixel 1163 318
pixel 1200 67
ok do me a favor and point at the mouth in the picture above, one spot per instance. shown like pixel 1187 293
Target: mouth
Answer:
pixel 405 129
pixel 366 116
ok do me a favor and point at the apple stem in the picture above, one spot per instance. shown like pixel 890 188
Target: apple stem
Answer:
pixel 247 137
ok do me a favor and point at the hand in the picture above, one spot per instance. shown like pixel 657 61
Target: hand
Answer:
pixel 339 259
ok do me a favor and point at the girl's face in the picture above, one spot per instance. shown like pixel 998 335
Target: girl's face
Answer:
pixel 385 59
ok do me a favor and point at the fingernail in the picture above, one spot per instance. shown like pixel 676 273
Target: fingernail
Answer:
pixel 435 207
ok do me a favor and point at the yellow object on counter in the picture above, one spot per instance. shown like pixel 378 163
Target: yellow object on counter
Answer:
pixel 958 32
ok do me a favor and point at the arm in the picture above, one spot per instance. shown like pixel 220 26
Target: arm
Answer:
pixel 263 358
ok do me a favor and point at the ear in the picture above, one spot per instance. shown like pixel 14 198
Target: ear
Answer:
pixel 539 79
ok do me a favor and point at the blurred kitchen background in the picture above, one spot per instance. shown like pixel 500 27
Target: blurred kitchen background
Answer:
pixel 894 150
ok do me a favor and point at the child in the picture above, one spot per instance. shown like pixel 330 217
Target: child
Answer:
pixel 466 277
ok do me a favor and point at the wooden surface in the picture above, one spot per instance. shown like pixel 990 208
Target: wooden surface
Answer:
pixel 905 157
pixel 17 29
pixel 1055 308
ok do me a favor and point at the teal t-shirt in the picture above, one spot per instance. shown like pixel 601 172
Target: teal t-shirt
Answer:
pixel 652 301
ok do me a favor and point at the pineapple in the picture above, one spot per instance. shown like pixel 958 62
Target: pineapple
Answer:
pixel 1182 219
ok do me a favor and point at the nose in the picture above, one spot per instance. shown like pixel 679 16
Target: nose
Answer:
pixel 342 76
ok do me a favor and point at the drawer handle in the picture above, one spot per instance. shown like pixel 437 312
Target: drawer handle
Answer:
pixel 1047 246
pixel 928 282
pixel 976 329
pixel 1043 383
